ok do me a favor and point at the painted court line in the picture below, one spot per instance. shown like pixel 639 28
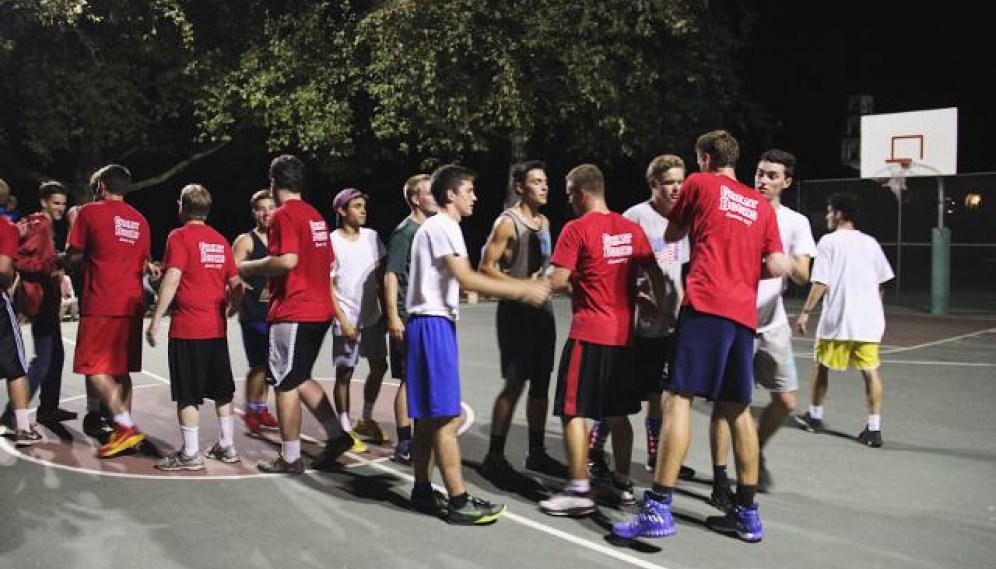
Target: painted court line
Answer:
pixel 938 342
pixel 596 547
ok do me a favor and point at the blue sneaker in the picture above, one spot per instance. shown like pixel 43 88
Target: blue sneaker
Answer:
pixel 654 520
pixel 744 522
pixel 403 452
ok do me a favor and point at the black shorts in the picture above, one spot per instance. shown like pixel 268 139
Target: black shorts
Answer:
pixel 399 357
pixel 651 363
pixel 294 347
pixel 255 340
pixel 199 370
pixel 596 381
pixel 527 338
pixel 12 364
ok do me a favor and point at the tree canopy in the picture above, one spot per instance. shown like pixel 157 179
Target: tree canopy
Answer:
pixel 352 83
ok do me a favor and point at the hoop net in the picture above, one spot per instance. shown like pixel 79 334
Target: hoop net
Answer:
pixel 898 168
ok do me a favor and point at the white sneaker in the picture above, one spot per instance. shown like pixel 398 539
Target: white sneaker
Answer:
pixel 568 503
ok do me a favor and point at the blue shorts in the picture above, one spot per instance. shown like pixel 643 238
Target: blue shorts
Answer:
pixel 713 358
pixel 255 339
pixel 433 381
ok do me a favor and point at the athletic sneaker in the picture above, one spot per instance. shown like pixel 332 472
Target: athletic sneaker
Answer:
pixel 744 522
pixel 622 487
pixel 97 426
pixel 474 512
pixel 653 520
pixel 358 445
pixel 685 473
pixel 598 465
pixel 371 430
pixel 180 461
pixel 433 504
pixel 497 468
pixel 281 466
pixel 256 421
pixel 55 415
pixel 722 498
pixel 569 503
pixel 808 423
pixel 539 461
pixel 26 437
pixel 870 438
pixel 122 439
pixel 328 459
pixel 403 452
pixel 227 454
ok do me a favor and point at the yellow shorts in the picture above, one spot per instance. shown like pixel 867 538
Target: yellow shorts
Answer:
pixel 840 354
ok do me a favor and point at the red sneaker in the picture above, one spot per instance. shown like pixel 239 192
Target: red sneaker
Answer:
pixel 267 420
pixel 253 421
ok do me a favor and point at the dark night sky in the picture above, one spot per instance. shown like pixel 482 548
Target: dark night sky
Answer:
pixel 909 58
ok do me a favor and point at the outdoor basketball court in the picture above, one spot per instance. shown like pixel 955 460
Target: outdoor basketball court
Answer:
pixel 924 500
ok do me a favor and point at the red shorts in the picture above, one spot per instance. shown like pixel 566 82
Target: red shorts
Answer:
pixel 110 345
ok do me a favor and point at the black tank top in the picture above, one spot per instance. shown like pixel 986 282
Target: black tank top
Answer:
pixel 254 307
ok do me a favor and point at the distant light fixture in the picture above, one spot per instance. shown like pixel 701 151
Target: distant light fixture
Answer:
pixel 973 201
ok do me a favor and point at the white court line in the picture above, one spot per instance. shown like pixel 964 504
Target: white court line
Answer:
pixel 937 342
pixel 597 547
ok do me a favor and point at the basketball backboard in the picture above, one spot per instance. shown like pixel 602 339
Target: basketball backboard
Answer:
pixel 925 143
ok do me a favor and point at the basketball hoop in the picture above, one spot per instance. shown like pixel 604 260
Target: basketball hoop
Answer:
pixel 898 169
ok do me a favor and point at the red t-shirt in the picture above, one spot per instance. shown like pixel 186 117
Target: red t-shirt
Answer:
pixel 9 239
pixel 205 258
pixel 114 239
pixel 305 293
pixel 603 252
pixel 732 229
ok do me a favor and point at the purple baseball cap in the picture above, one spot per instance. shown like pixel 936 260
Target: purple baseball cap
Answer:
pixel 345 196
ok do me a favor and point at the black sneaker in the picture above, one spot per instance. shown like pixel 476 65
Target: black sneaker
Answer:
pixel 764 482
pixel 56 415
pixel 403 452
pixel 474 513
pixel 870 438
pixel 686 473
pixel 598 465
pixel 539 461
pixel 334 448
pixel 433 504
pixel 24 438
pixel 280 466
pixel 496 468
pixel 622 487
pixel 722 498
pixel 97 426
pixel 808 423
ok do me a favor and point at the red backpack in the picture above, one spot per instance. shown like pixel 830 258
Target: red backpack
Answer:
pixel 35 261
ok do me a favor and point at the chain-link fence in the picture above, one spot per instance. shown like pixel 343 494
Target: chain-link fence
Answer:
pixel 905 228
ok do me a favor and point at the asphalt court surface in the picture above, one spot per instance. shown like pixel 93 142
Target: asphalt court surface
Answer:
pixel 924 500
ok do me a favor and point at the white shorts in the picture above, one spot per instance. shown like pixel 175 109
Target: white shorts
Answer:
pixel 774 364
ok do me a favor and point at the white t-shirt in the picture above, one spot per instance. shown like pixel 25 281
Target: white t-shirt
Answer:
pixel 852 266
pixel 432 290
pixel 354 275
pixel 797 239
pixel 670 257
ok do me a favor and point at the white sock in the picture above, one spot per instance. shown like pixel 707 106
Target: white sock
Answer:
pixel 21 419
pixel 874 422
pixel 581 486
pixel 368 411
pixel 291 450
pixel 344 421
pixel 816 411
pixel 124 419
pixel 191 446
pixel 226 425
pixel 93 404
